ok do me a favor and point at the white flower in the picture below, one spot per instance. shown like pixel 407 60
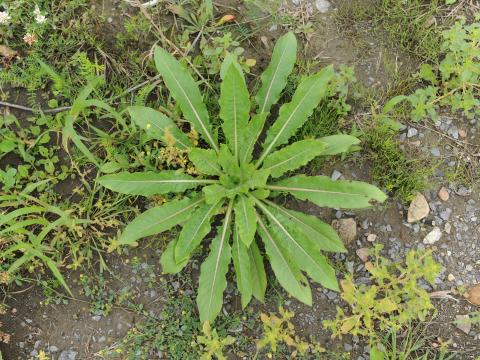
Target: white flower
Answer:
pixel 39 18
pixel 30 39
pixel 4 17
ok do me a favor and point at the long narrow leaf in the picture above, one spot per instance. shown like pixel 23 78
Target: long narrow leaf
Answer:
pixel 325 237
pixel 323 191
pixel 245 219
pixel 258 275
pixel 274 78
pixel 6 218
pixel 337 144
pixel 212 282
pixel 294 114
pixel 243 268
pixel 287 273
pixel 195 230
pixel 18 226
pixel 293 156
pixel 234 108
pixel 302 251
pixel 205 161
pixel 159 126
pixel 167 260
pixel 251 135
pixel 186 93
pixel 151 183
pixel 158 219
pixel 69 132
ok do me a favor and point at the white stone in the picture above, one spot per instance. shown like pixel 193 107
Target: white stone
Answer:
pixel 322 5
pixel 433 236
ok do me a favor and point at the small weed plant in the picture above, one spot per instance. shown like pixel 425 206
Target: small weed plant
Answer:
pixel 213 344
pixel 278 330
pixel 394 299
pixel 454 83
pixel 237 185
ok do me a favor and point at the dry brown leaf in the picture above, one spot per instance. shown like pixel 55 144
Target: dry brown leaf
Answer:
pixel 473 295
pixel 7 52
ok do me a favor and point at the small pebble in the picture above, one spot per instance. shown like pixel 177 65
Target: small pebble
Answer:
pixel 336 175
pixel 435 152
pixel 443 194
pixel 371 237
pixel 412 132
pixel 362 253
pixel 433 236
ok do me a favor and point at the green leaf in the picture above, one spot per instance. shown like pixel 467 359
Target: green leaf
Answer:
pixel 194 230
pixel 376 354
pixel 7 145
pixel 110 167
pixel 158 126
pixel 243 268
pixel 214 193
pixel 324 236
pixel 302 250
pixel 158 219
pixel 9 216
pixel 228 161
pixel 287 273
pixel 338 144
pixel 323 191
pixel 69 132
pixel 392 103
pixel 212 282
pixel 294 114
pixel 293 156
pixel 245 219
pixel 274 78
pixel 58 275
pixel 167 260
pixel 205 161
pixel 186 93
pixel 259 277
pixel 227 61
pixel 151 183
pixel 234 108
pixel 251 135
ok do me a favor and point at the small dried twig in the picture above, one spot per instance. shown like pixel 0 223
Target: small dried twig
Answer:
pixel 147 4
pixel 443 294
pixel 32 110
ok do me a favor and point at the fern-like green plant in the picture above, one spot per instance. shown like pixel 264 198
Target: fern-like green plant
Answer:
pixel 237 185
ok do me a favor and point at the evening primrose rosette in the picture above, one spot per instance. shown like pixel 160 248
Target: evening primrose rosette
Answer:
pixel 240 188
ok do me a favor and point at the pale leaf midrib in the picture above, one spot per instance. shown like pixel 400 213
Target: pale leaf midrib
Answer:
pixel 282 129
pixel 267 95
pixel 287 160
pixel 222 241
pixel 274 245
pixel 197 115
pixel 275 187
pixel 163 131
pixel 287 233
pixel 205 217
pixel 173 215
pixel 192 181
